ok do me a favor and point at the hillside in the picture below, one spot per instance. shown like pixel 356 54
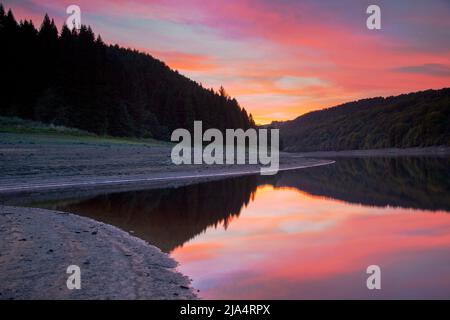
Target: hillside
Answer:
pixel 74 79
pixel 410 120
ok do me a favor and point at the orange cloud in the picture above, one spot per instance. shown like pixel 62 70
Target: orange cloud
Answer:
pixel 185 61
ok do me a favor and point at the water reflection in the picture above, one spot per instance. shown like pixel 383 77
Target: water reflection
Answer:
pixel 168 218
pixel 420 183
pixel 311 247
pixel 303 234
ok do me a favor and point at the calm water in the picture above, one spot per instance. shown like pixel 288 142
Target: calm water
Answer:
pixel 309 233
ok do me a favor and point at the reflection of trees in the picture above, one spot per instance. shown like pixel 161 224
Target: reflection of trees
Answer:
pixel 420 183
pixel 168 218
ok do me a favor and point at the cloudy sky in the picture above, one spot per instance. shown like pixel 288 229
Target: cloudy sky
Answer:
pixel 283 58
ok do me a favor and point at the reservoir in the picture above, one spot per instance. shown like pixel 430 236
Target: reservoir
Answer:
pixel 304 234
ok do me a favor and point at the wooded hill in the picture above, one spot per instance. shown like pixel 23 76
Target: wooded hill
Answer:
pixel 74 79
pixel 410 120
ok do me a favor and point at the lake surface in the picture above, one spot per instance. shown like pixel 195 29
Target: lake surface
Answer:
pixel 302 234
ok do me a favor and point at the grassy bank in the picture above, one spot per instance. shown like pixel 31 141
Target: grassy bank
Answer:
pixel 15 130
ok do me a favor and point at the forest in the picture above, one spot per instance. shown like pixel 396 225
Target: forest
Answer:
pixel 418 119
pixel 72 78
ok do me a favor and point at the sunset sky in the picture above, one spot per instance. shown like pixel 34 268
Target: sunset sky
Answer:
pixel 280 59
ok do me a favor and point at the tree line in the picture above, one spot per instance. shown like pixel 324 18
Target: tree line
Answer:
pixel 419 119
pixel 74 79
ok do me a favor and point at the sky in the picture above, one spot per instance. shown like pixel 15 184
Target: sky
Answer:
pixel 280 59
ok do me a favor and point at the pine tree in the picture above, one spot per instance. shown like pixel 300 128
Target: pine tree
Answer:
pixel 9 56
pixel 2 14
pixel 48 31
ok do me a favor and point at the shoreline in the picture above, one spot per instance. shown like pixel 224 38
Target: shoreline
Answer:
pixel 386 152
pixel 153 178
pixel 38 245
pixel 27 195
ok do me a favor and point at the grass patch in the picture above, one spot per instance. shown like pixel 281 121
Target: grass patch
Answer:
pixel 15 125
pixel 18 125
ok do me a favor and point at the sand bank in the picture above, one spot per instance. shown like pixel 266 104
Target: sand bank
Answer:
pixel 37 246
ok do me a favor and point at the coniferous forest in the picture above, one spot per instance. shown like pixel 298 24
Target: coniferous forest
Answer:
pixel 74 79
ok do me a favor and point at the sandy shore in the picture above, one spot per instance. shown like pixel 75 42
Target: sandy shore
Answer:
pixel 37 246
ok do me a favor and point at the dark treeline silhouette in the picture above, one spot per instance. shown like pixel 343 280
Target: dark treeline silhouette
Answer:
pixel 76 80
pixel 410 120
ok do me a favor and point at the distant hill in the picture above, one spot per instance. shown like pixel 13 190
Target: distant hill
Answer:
pixel 410 120
pixel 74 79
